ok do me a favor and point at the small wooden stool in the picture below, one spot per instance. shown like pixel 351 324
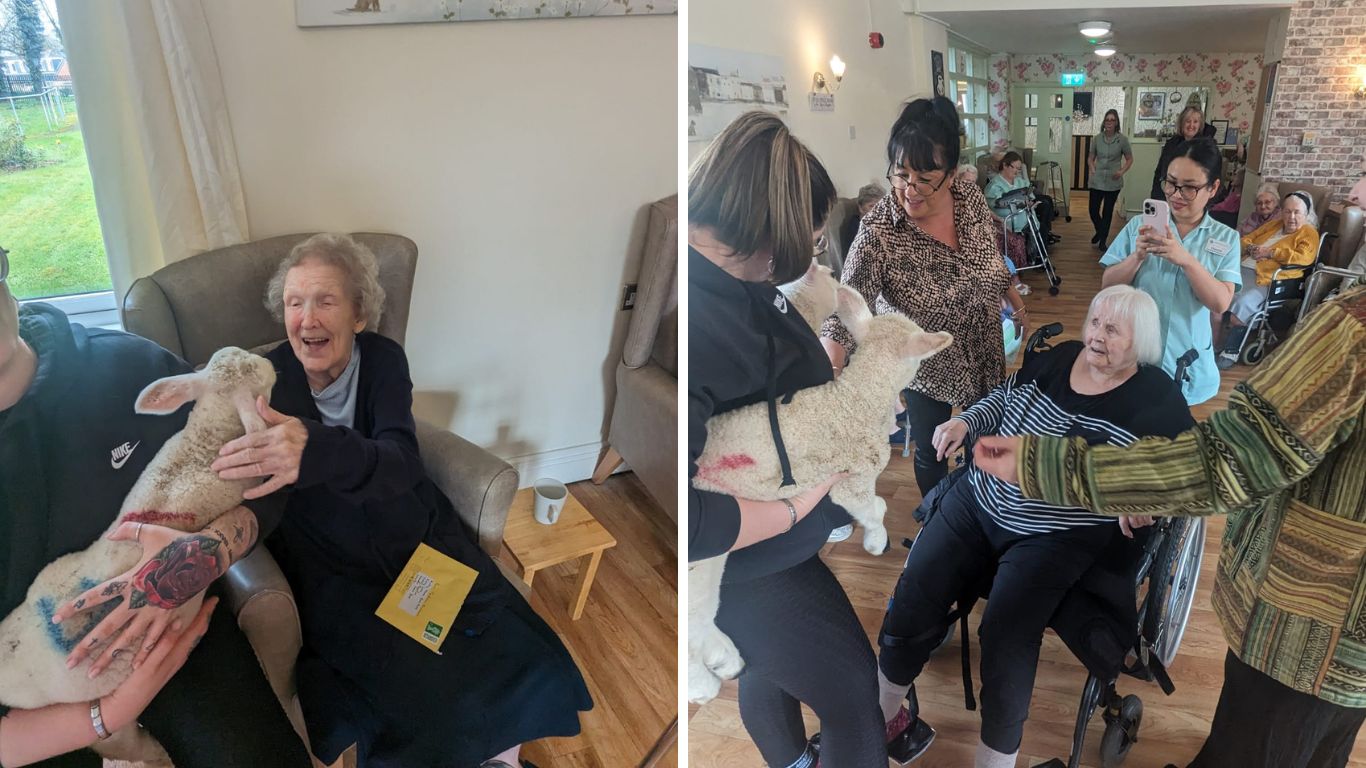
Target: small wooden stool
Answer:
pixel 535 546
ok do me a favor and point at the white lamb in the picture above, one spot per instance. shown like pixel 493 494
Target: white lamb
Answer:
pixel 179 484
pixel 841 426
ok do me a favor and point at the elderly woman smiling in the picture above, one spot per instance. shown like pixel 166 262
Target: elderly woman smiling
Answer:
pixel 1107 389
pixel 342 432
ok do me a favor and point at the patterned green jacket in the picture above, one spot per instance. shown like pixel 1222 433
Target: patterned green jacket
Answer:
pixel 1286 461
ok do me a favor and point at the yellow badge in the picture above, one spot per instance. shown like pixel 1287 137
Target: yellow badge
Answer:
pixel 424 601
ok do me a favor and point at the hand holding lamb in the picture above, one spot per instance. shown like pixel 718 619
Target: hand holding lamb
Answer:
pixel 129 596
pixel 841 426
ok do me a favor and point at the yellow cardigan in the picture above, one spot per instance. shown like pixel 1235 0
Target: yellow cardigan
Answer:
pixel 1297 249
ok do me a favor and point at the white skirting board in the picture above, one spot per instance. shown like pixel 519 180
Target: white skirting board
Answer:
pixel 568 465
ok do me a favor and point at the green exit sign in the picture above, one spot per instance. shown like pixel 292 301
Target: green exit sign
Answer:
pixel 1073 78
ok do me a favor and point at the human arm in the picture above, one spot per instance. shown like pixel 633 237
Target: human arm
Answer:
pixel 30 735
pixel 1128 161
pixel 1299 404
pixel 174 568
pixel 1091 158
pixel 863 273
pixel 1298 250
pixel 1214 292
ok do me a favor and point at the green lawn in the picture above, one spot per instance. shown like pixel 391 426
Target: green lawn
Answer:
pixel 47 214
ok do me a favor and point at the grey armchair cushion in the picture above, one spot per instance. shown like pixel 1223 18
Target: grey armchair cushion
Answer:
pixel 658 288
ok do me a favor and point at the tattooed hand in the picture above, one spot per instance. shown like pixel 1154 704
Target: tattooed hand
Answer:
pixel 175 567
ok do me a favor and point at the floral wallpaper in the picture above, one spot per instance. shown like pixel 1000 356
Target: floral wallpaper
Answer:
pixel 1234 77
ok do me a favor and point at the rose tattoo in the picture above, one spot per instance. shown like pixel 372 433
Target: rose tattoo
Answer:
pixel 177 573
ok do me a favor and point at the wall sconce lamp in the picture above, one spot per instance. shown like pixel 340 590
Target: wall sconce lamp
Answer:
pixel 1361 82
pixel 818 81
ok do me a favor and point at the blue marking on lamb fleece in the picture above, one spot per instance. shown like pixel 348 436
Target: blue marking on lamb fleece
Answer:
pixel 86 621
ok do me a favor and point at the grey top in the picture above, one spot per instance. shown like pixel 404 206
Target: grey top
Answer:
pixel 1109 154
pixel 337 402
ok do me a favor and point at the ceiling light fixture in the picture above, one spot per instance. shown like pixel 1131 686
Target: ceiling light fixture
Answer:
pixel 1094 28
pixel 1104 50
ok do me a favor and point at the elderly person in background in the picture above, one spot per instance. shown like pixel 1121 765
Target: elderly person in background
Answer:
pixel 1287 241
pixel 868 196
pixel 1189 125
pixel 1107 389
pixel 341 432
pixel 1011 177
pixel 1283 461
pixel 1265 207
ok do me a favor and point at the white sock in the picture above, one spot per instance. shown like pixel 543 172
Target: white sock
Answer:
pixel 889 696
pixel 990 758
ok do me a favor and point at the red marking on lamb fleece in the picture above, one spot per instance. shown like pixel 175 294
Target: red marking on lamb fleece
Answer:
pixel 159 518
pixel 734 461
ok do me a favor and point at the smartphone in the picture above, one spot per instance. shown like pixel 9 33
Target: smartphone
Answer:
pixel 1157 214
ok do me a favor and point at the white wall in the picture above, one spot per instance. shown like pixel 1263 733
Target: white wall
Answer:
pixel 805 33
pixel 518 155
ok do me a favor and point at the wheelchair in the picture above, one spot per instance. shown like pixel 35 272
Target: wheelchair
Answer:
pixel 1022 201
pixel 1161 567
pixel 1269 326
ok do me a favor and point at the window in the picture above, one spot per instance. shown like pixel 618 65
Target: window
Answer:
pixel 967 86
pixel 48 221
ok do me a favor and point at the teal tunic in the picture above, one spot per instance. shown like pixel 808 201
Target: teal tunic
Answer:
pixel 1185 321
pixel 1109 155
pixel 999 186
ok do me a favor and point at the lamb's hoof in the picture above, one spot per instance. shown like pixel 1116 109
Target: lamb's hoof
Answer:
pixel 703 686
pixel 875 541
pixel 723 658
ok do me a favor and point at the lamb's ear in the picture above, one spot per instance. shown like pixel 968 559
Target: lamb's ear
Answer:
pixel 853 312
pixel 165 396
pixel 921 345
pixel 245 404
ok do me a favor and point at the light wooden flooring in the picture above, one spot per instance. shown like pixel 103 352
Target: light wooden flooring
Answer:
pixel 626 643
pixel 1173 727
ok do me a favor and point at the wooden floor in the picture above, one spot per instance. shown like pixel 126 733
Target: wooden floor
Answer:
pixel 1173 727
pixel 626 643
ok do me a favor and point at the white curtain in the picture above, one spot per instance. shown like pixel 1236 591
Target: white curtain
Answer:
pixel 155 122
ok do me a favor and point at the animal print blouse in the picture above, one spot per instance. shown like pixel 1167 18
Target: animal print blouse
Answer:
pixel 899 268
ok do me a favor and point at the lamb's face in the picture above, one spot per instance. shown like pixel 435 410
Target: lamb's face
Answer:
pixel 234 370
pixel 899 340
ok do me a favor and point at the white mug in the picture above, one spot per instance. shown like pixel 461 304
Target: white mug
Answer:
pixel 550 498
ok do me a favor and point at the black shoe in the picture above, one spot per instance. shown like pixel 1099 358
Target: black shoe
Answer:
pixel 1095 238
pixel 910 742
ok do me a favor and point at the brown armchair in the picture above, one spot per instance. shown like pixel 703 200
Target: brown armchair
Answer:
pixel 216 299
pixel 645 414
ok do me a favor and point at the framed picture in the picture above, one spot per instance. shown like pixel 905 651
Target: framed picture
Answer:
pixel 1220 130
pixel 1231 137
pixel 937 72
pixel 336 13
pixel 1151 105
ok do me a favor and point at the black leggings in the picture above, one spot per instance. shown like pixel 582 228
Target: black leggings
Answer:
pixel 925 414
pixel 802 643
pixel 953 554
pixel 1102 210
pixel 1261 723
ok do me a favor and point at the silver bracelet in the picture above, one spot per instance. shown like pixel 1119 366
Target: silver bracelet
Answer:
pixel 791 510
pixel 97 720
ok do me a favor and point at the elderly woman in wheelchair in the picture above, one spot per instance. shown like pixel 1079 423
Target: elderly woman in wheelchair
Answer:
pixel 1270 253
pixel 1108 388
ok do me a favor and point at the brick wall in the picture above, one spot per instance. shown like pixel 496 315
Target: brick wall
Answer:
pixel 1315 91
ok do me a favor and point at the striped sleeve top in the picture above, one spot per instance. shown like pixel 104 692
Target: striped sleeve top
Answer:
pixel 1039 400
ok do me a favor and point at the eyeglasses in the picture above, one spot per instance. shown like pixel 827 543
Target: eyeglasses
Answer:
pixel 923 188
pixel 822 245
pixel 1186 191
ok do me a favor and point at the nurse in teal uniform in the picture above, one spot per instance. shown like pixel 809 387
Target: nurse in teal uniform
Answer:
pixel 1190 268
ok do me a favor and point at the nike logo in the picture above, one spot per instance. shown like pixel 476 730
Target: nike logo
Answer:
pixel 119 456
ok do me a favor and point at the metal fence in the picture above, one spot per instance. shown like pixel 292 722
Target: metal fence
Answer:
pixel 51 101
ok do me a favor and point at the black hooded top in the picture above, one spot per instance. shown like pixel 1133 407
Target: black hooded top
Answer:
pixel 731 325
pixel 1169 152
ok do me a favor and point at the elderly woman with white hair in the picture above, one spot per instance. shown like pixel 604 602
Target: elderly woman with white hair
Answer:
pixel 341 432
pixel 1265 206
pixel 1108 388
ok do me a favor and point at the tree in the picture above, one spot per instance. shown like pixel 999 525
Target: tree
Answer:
pixel 30 38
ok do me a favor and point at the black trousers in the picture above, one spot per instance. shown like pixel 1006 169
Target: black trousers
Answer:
pixel 953 554
pixel 218 711
pixel 1261 723
pixel 1102 208
pixel 926 413
pixel 803 644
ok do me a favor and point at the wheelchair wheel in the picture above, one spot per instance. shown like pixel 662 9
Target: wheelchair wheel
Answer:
pixel 1121 733
pixel 1171 590
pixel 1255 350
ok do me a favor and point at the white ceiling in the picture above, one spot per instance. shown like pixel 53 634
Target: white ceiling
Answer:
pixel 1190 29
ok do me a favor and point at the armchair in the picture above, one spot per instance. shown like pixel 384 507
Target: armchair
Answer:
pixel 215 299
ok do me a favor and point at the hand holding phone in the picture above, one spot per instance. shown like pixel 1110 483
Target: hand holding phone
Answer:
pixel 1157 214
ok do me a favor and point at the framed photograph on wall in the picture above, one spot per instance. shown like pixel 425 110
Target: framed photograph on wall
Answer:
pixel 1220 130
pixel 937 72
pixel 1151 104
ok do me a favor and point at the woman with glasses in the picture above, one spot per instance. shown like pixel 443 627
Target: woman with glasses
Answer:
pixel 1190 267
pixel 1110 158
pixel 929 251
pixel 757 203
pixel 1010 178
pixel 1190 124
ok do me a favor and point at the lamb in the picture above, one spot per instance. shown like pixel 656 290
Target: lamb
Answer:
pixel 841 426
pixel 183 492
